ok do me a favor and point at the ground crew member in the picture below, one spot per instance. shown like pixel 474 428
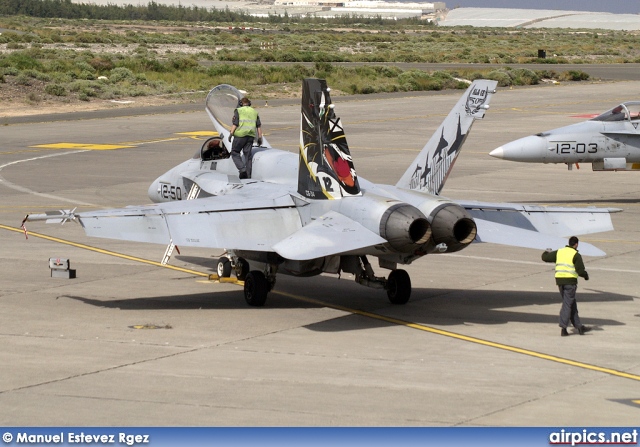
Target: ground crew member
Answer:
pixel 569 266
pixel 246 126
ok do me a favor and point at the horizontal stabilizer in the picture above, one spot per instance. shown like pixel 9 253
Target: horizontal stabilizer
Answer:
pixel 555 221
pixel 507 235
pixel 331 234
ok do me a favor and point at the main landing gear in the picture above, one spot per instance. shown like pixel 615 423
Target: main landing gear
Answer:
pixel 397 285
pixel 239 265
pixel 257 284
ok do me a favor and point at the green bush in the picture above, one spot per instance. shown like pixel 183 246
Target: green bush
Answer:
pixel 23 79
pixel 84 66
pixel 85 74
pixel 10 71
pixel 501 76
pixel 120 74
pixel 21 60
pixel 574 75
pixel 101 63
pixel 55 90
pixel 15 46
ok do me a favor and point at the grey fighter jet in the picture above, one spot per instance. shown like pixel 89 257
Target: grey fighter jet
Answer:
pixel 308 213
pixel 610 142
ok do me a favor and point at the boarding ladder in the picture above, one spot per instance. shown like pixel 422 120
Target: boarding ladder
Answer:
pixel 193 194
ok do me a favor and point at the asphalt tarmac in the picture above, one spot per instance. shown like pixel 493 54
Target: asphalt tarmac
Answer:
pixel 131 343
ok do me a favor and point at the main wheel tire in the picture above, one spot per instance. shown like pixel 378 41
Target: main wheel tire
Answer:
pixel 242 268
pixel 224 267
pixel 256 288
pixel 399 287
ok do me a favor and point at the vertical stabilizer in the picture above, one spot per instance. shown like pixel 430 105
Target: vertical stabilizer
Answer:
pixel 432 166
pixel 326 169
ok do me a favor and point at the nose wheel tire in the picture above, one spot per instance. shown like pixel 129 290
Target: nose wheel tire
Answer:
pixel 224 267
pixel 399 287
pixel 256 288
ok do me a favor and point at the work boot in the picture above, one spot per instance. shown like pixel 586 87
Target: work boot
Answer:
pixel 563 332
pixel 243 175
pixel 583 329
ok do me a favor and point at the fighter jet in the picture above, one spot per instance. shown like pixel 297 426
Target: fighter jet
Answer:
pixel 310 213
pixel 610 142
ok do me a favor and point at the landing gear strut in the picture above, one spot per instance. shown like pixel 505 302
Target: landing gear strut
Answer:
pixel 242 268
pixel 226 265
pixel 257 283
pixel 398 285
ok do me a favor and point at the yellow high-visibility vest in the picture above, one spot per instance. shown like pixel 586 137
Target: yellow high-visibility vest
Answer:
pixel 564 263
pixel 248 118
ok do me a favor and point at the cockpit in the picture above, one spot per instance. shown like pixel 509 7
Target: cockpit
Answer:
pixel 627 111
pixel 212 149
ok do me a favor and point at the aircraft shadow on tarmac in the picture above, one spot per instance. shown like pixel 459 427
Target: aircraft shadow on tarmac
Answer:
pixel 448 307
pixel 208 263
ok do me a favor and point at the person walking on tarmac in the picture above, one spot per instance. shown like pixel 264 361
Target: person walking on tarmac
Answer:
pixel 246 126
pixel 569 266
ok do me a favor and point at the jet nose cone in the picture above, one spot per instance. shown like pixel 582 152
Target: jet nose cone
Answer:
pixel 498 152
pixel 531 149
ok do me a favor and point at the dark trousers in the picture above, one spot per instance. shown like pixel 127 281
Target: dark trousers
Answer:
pixel 240 146
pixel 569 310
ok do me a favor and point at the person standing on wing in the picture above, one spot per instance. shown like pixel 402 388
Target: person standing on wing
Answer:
pixel 246 126
pixel 569 266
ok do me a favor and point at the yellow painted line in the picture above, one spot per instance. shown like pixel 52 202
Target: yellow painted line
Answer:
pixel 215 278
pixel 123 145
pixel 466 338
pixel 106 252
pixel 157 140
pixel 363 313
pixel 85 146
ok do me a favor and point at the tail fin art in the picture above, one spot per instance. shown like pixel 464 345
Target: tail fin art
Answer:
pixel 432 166
pixel 326 168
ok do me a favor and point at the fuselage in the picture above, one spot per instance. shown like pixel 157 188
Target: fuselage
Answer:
pixel 610 141
pixel 405 219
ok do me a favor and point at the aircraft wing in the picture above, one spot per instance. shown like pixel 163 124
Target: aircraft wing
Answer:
pixel 330 234
pixel 235 221
pixel 614 133
pixel 507 235
pixel 538 226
